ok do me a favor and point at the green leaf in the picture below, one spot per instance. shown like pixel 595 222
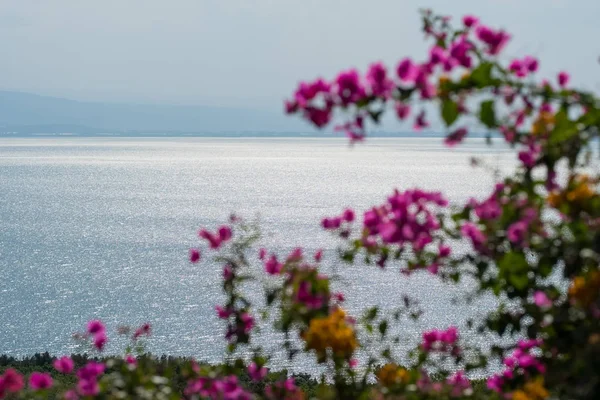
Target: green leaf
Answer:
pixel 487 114
pixel 564 128
pixel 514 268
pixel 383 325
pixel 482 75
pixel 449 112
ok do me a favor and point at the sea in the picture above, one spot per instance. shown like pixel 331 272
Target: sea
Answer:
pixel 100 228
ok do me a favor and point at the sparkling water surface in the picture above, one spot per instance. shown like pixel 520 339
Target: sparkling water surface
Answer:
pixel 100 228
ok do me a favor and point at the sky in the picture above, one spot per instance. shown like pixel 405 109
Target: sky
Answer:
pixel 253 52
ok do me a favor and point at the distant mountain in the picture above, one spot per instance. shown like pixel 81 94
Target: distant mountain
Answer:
pixel 26 114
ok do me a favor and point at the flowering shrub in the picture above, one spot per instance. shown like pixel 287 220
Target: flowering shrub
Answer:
pixel 533 243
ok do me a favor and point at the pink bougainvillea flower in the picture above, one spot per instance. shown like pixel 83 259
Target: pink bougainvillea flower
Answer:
pixel 95 327
pixel 223 313
pixel 542 300
pixel 348 87
pixel 224 233
pixel 256 372
pixel 40 381
pixel 406 70
pixel 348 215
pixel 516 232
pixel 91 370
pixel 194 255
pixel 331 223
pixel 471 231
pixel 99 341
pixel 64 364
pixel 378 81
pixel 531 63
pixel 456 137
pixel 214 241
pixel 248 321
pixel 227 273
pixel 319 255
pixel 144 330
pixel 262 253
pixel 563 79
pixel 88 387
pixel 420 121
pixel 495 40
pixel 469 21
pixel 11 381
pixel 272 266
pixel 402 110
pixel 437 55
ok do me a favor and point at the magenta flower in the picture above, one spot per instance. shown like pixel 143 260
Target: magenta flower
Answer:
pixel 248 321
pixel 225 233
pixel 262 253
pixel 306 297
pixel 471 231
pixel 214 241
pixel 531 63
pixel 378 81
pixel 495 40
pixel 456 137
pixel 64 365
pixel 563 79
pixel 318 116
pixel 516 232
pixel 348 87
pixel 348 215
pixel 95 327
pixel 131 360
pixel 529 157
pixel 420 121
pixel 542 300
pixel 319 255
pixel 99 341
pixel 406 70
pixel 469 21
pixel 223 313
pixel 144 330
pixel 11 381
pixel 90 371
pixel 194 255
pixel 437 55
pixel 40 381
pixel 331 223
pixel 272 266
pixel 88 387
pixel 459 53
pixel 71 395
pixel 227 273
pixel 256 372
pixel 402 110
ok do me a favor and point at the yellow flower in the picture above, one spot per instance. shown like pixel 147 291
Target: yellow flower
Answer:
pixel 543 124
pixel 584 290
pixel 533 390
pixel 520 395
pixel 580 190
pixel 331 332
pixel 392 374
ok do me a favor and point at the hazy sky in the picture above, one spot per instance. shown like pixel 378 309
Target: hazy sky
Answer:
pixel 236 52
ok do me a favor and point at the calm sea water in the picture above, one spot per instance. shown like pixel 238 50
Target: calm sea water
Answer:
pixel 100 228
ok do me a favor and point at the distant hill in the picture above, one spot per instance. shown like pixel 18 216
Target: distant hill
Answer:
pixel 27 114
